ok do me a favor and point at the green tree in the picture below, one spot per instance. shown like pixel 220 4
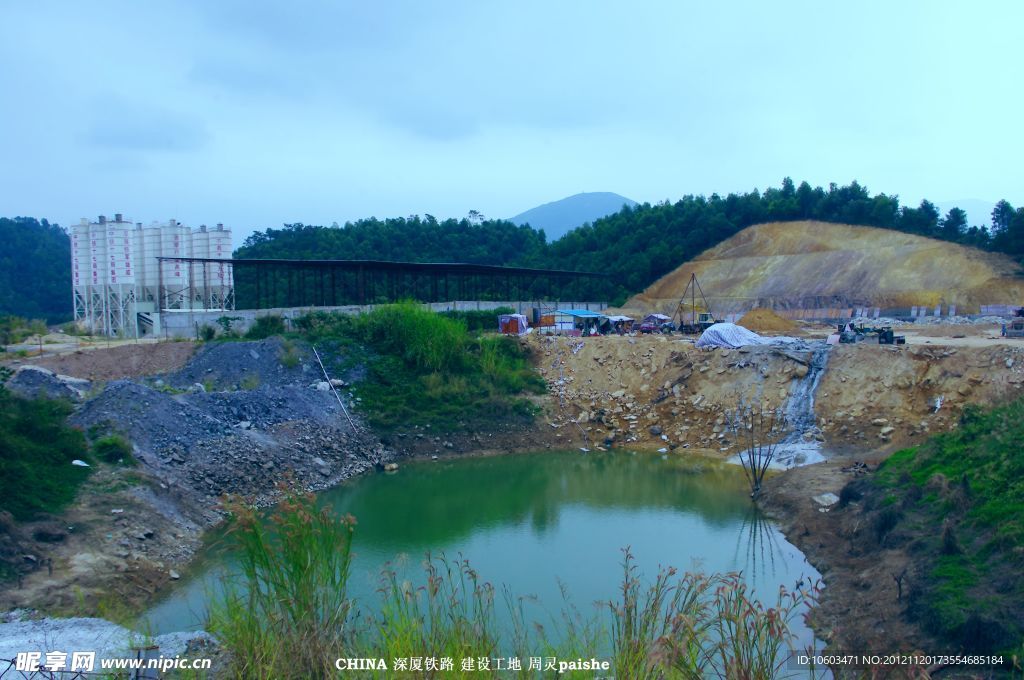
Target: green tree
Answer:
pixel 1002 214
pixel 953 225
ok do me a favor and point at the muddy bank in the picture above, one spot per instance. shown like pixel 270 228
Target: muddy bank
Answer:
pixel 862 607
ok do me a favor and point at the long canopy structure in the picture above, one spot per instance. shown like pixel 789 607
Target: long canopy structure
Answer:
pixel 265 284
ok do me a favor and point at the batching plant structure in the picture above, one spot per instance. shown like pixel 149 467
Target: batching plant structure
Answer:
pixel 120 286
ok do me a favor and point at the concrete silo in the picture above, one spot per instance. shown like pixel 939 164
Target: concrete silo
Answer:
pixel 120 287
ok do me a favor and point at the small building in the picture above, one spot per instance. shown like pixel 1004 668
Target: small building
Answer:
pixel 578 321
pixel 513 324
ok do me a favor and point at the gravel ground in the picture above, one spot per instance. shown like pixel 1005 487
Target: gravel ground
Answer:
pixel 202 445
pixel 33 382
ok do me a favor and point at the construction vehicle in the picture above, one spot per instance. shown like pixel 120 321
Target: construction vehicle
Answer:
pixel 692 321
pixel 1015 329
pixel 849 333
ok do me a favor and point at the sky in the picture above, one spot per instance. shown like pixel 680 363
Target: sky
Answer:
pixel 256 114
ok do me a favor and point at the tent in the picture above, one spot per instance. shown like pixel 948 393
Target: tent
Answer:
pixel 513 324
pixel 656 319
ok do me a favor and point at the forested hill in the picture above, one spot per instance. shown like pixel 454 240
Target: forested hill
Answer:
pixel 35 269
pixel 637 245
pixel 412 239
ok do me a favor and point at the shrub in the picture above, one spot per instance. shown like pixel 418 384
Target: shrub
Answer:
pixel 36 450
pixel 424 339
pixel 424 367
pixel 207 332
pixel 266 326
pixel 113 449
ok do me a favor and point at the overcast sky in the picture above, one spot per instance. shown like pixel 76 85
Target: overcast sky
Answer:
pixel 255 113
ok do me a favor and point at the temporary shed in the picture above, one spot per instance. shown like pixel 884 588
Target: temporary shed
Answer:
pixel 578 321
pixel 621 323
pixel 513 324
pixel 656 319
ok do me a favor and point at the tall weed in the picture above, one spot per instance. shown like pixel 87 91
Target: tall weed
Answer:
pixel 286 613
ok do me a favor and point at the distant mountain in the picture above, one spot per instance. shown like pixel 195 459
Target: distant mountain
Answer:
pixel 979 213
pixel 558 217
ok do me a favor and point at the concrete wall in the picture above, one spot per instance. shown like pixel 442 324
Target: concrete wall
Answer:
pixel 186 323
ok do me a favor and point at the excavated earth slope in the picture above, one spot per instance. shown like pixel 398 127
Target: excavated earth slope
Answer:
pixel 786 265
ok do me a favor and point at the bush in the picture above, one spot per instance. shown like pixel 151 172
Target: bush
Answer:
pixel 36 450
pixel 425 367
pixel 265 327
pixel 424 339
pixel 113 449
pixel 207 332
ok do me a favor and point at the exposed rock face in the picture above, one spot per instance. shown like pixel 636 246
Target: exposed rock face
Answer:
pixel 655 389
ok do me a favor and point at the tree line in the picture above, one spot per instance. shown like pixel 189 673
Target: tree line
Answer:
pixel 639 244
pixel 35 269
pixel 635 246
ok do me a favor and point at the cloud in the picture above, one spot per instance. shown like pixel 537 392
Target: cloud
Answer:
pixel 137 128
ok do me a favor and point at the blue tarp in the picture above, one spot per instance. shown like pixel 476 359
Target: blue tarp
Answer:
pixel 582 313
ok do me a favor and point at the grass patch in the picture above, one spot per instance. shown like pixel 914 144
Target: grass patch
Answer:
pixel 36 450
pixel 425 368
pixel 289 356
pixel 479 319
pixel 969 482
pixel 285 613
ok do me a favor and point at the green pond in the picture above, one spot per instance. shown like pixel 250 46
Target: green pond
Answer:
pixel 531 521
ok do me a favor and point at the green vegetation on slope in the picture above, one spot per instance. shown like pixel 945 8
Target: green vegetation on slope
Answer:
pixel 35 269
pixel 964 493
pixel 638 245
pixel 427 368
pixel 36 450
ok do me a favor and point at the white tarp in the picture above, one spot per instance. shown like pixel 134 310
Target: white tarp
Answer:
pixel 730 335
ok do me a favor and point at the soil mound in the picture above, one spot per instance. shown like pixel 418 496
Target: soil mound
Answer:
pixel 809 265
pixel 766 321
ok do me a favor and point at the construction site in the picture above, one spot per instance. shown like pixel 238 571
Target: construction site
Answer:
pixel 869 341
